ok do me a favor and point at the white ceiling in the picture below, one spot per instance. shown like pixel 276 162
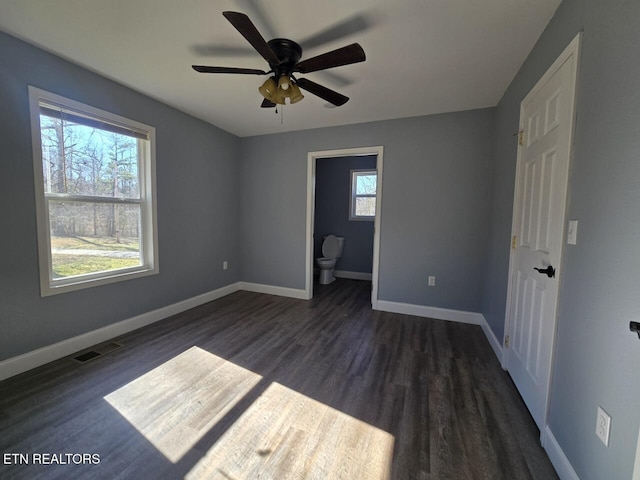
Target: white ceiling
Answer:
pixel 423 56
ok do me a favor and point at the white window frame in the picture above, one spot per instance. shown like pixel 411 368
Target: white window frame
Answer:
pixel 147 186
pixel 352 204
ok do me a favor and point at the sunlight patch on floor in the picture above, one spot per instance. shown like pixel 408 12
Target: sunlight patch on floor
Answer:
pixel 285 434
pixel 177 403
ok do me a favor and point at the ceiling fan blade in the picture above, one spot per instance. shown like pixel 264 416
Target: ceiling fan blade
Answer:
pixel 267 104
pixel 323 92
pixel 248 30
pixel 354 24
pixel 245 71
pixel 259 15
pixel 342 56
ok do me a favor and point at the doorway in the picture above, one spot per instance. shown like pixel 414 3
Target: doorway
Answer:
pixel 538 231
pixel 312 159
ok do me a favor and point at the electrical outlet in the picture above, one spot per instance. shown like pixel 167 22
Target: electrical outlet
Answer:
pixel 432 281
pixel 603 426
pixel 225 265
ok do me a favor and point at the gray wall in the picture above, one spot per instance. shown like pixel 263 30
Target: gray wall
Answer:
pixel 435 193
pixel 333 199
pixel 596 357
pixel 197 179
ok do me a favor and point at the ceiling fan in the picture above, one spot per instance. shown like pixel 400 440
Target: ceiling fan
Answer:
pixel 283 56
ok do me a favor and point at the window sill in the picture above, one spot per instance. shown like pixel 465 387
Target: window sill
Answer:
pixel 71 285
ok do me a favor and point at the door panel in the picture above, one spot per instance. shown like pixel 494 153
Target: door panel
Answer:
pixel 539 215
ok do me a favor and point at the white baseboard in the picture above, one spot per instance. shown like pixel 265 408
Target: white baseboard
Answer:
pixel 558 459
pixel 22 363
pixel 444 314
pixel 273 290
pixel 429 312
pixel 352 275
pixel 493 340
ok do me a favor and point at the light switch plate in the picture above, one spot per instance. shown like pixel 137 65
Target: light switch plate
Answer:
pixel 572 232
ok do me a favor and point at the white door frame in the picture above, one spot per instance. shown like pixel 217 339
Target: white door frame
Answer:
pixel 636 468
pixel 311 200
pixel 572 49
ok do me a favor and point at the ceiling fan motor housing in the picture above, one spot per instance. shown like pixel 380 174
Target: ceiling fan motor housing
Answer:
pixel 288 52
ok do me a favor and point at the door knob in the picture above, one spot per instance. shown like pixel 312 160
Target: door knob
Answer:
pixel 549 271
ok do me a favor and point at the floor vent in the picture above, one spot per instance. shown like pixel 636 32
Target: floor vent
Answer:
pixel 97 351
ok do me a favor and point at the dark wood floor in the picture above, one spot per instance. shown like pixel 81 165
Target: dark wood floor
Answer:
pixel 256 386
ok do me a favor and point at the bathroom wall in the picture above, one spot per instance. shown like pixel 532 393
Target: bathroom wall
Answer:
pixel 333 195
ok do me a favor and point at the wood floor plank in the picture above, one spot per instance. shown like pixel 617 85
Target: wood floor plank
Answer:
pixel 253 386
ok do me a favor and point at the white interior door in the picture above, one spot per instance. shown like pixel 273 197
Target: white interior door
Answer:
pixel 546 123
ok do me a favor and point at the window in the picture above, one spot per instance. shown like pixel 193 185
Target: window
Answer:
pixel 95 204
pixel 363 194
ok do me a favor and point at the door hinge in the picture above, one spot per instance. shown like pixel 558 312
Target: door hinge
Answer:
pixel 521 137
pixel 506 341
pixel 514 241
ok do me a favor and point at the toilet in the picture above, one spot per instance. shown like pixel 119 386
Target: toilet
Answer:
pixel 331 250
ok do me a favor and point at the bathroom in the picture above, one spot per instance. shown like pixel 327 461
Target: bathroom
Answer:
pixel 345 207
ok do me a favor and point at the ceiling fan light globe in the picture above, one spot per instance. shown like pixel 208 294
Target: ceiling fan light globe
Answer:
pixel 293 100
pixel 296 95
pixel 280 97
pixel 284 82
pixel 266 94
pixel 268 89
pixel 285 93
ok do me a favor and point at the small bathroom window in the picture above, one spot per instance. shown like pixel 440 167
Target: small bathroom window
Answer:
pixel 364 185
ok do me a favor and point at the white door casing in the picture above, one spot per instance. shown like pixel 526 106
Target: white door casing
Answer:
pixel 539 216
pixel 636 468
pixel 311 182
